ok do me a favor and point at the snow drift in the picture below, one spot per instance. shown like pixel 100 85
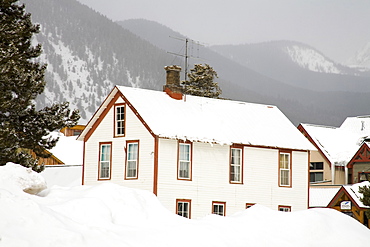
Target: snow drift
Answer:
pixel 112 215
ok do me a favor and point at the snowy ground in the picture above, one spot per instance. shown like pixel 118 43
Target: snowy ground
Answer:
pixel 112 215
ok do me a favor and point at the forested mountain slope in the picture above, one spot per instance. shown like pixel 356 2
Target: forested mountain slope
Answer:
pixel 87 54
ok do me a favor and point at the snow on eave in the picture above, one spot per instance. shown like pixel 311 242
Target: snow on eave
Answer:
pixel 338 145
pixel 97 114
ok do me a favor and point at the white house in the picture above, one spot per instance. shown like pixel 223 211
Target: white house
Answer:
pixel 198 155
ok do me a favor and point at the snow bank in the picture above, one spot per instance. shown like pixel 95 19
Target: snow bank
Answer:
pixel 17 178
pixel 112 215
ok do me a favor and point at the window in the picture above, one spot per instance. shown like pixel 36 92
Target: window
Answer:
pixel 105 154
pixel 219 208
pixel 120 120
pixel 236 165
pixel 184 164
pixel 285 208
pixel 317 166
pixel 132 158
pixel 284 170
pixel 316 176
pixel 363 176
pixel 183 207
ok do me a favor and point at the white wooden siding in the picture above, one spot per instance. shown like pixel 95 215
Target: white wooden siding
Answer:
pixel 134 130
pixel 210 179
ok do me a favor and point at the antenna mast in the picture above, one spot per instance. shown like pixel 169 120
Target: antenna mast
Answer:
pixel 186 56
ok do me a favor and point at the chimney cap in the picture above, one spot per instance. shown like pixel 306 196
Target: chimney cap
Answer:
pixel 172 67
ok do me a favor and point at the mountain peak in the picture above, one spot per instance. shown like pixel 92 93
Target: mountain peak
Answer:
pixel 310 59
pixel 362 58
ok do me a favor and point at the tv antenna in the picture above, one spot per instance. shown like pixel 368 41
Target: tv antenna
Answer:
pixel 186 56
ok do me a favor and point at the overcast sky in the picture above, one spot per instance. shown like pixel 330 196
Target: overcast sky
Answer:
pixel 338 28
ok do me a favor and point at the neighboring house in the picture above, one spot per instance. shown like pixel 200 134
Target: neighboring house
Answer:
pixel 198 155
pixel 345 199
pixel 343 155
pixel 49 161
pixel 68 150
pixel 69 171
pixel 73 131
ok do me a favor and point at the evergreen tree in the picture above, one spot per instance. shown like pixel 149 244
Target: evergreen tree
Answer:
pixel 24 130
pixel 365 191
pixel 200 82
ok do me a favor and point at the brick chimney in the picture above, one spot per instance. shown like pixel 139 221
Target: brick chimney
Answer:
pixel 173 87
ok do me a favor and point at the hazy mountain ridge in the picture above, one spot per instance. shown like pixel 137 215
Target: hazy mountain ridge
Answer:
pixel 297 64
pixel 88 54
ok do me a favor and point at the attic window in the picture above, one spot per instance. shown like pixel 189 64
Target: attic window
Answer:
pixel 119 120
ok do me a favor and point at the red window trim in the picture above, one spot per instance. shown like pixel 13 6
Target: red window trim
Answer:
pixel 191 160
pixel 281 151
pixel 184 200
pixel 236 146
pixel 110 161
pixel 220 203
pixel 137 162
pixel 115 135
pixel 284 206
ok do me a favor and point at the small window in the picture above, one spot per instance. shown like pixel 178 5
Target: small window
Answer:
pixel 284 169
pixel 285 208
pixel 132 158
pixel 184 163
pixel 105 154
pixel 315 174
pixel 236 165
pixel 183 207
pixel 317 166
pixel 363 176
pixel 120 120
pixel 219 208
pixel 316 177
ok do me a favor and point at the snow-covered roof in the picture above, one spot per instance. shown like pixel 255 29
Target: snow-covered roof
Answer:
pixel 321 196
pixel 340 144
pixel 210 120
pixel 68 150
pixel 353 192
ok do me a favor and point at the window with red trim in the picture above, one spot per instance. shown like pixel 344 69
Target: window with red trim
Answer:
pixel 132 159
pixel 285 168
pixel 219 208
pixel 119 120
pixel 285 208
pixel 236 165
pixel 184 161
pixel 105 160
pixel 183 207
